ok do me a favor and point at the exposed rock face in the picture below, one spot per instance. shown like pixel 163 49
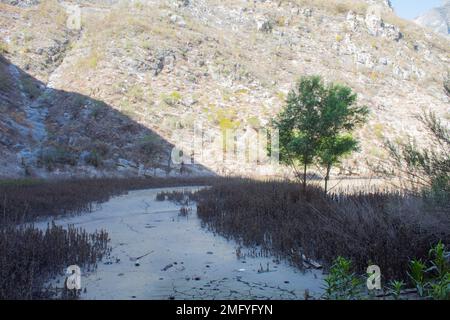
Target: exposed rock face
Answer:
pixel 21 3
pixel 139 77
pixel 264 25
pixel 437 19
pixel 378 27
pixel 385 4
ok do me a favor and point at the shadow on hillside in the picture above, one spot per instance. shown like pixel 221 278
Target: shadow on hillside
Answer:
pixel 80 133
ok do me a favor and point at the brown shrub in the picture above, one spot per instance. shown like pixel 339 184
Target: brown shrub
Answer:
pixel 25 200
pixel 29 256
pixel 372 228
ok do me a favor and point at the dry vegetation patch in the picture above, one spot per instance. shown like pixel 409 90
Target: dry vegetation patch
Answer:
pixel 371 228
pixel 30 256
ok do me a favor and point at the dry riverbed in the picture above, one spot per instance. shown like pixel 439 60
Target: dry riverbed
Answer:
pixel 159 254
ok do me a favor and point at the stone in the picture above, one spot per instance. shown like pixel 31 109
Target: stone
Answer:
pixel 178 20
pixel 264 25
pixel 377 27
pixel 307 12
pixel 126 163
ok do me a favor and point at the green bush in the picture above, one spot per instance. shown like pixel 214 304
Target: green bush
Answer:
pixel 432 279
pixel 171 99
pixel 423 170
pixel 342 283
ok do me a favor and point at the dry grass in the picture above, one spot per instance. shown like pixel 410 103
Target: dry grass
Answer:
pixel 90 61
pixel 49 12
pixel 31 256
pixel 336 6
pixel 26 200
pixel 4 48
pixel 373 228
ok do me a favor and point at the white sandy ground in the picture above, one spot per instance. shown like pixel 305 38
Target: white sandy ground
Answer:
pixel 203 266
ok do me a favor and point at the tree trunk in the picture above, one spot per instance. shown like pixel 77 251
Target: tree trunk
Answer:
pixel 304 178
pixel 327 177
pixel 168 164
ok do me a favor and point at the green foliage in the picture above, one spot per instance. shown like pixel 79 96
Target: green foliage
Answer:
pixel 417 274
pixel 171 99
pixel 426 169
pixel 298 123
pixel 432 280
pixel 342 283
pixel 332 149
pixel 396 288
pixel 316 124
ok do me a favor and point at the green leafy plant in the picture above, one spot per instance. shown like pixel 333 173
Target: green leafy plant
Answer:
pixel 423 169
pixel 439 284
pixel 341 282
pixel 172 99
pixel 396 287
pixel 417 275
pixel 432 282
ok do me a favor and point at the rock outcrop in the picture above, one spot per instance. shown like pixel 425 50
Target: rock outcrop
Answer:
pixel 437 19
pixel 138 78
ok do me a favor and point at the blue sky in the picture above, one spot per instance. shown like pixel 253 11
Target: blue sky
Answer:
pixel 410 9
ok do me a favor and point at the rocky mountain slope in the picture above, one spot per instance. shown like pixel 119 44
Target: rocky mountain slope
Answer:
pixel 114 96
pixel 437 19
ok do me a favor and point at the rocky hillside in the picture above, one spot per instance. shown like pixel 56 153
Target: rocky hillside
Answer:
pixel 114 96
pixel 437 19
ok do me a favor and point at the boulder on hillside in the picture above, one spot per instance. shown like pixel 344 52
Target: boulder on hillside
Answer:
pixel 377 27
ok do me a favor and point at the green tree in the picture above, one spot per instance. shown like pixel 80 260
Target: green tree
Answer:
pixel 339 117
pixel 298 123
pixel 316 124
pixel 332 149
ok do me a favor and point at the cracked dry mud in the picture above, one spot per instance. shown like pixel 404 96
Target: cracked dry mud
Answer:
pixel 158 254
